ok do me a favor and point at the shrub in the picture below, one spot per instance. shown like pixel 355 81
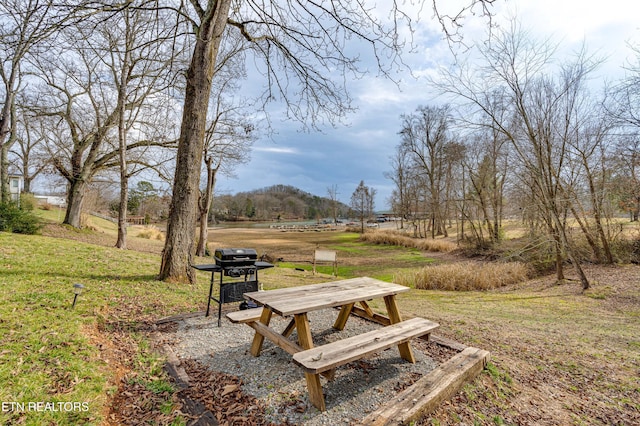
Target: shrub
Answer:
pixel 465 276
pixel 626 249
pixel 398 239
pixel 536 251
pixel 28 201
pixel 14 219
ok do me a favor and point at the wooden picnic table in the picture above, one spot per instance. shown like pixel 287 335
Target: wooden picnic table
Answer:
pixel 299 301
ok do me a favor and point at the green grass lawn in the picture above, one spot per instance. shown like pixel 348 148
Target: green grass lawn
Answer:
pixel 46 354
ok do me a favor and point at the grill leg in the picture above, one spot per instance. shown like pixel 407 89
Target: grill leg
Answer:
pixel 210 294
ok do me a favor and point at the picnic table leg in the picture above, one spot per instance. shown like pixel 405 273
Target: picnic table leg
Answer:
pixel 290 327
pixel 394 316
pixel 313 380
pixel 367 309
pixel 343 316
pixel 258 338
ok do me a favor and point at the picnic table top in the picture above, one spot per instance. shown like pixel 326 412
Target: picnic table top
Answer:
pixel 297 300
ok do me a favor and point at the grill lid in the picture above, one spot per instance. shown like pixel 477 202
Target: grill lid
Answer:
pixel 230 257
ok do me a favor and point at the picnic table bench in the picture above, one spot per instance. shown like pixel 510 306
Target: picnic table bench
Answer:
pixel 326 357
pixel 244 316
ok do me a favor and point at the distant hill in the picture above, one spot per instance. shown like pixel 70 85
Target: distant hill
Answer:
pixel 277 202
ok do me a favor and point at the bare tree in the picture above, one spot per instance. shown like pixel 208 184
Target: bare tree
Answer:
pixel 625 96
pixel 625 112
pixel 71 99
pixel 425 136
pixel 302 44
pixel 25 25
pixel 29 157
pixel 84 110
pixel 230 133
pixel 487 168
pixel 228 141
pixel 332 193
pixel 400 199
pixel 362 203
pixel 131 45
pixel 538 104
pixel 588 143
pixel 209 21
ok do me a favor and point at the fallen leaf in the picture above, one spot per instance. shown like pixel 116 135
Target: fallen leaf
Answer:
pixel 229 388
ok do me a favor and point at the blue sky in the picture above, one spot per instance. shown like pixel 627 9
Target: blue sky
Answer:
pixel 347 154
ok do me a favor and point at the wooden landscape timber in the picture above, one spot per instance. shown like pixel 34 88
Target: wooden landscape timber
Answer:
pixel 430 391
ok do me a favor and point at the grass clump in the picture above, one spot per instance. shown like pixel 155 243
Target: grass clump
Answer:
pixel 401 240
pixel 151 233
pixel 465 276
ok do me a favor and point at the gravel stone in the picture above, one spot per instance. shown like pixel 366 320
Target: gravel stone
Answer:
pixel 357 389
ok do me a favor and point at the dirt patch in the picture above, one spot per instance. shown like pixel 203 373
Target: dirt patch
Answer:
pixel 289 246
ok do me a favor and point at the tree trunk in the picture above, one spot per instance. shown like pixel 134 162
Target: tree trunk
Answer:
pixel 5 195
pixel 559 258
pixel 179 248
pixel 75 199
pixel 122 211
pixel 204 232
pixel 27 184
pixel 205 206
pixel 7 124
pixel 121 243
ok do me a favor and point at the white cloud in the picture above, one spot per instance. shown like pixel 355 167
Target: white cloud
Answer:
pixel 277 150
pixel 576 20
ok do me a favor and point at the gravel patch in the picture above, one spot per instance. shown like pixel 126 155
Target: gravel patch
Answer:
pixel 357 389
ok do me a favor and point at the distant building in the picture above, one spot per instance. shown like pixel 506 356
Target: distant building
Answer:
pixel 16 185
pixel 54 200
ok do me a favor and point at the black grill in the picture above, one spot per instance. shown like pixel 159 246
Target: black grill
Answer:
pixel 239 263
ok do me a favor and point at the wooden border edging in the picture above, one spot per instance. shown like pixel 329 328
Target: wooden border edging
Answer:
pixel 179 317
pixel 430 391
pixel 193 409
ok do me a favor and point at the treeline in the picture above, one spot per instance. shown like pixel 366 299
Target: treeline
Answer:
pixel 528 137
pixel 277 202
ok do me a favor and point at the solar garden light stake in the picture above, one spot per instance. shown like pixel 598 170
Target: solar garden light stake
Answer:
pixel 77 291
